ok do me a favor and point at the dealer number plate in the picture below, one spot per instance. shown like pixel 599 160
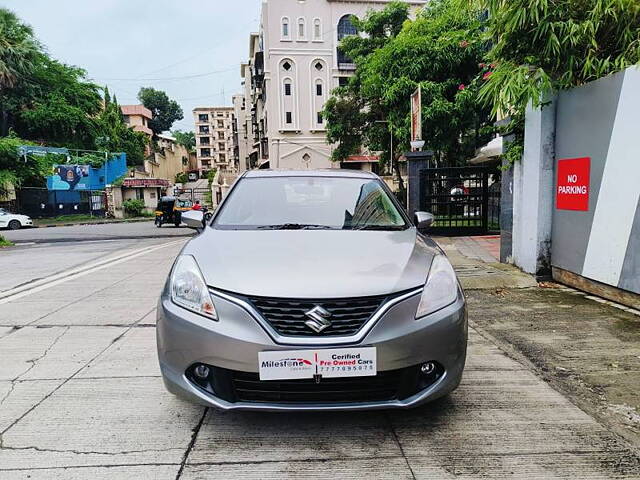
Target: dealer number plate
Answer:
pixel 330 362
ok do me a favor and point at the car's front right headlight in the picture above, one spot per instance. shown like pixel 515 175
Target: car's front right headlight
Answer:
pixel 440 289
pixel 188 288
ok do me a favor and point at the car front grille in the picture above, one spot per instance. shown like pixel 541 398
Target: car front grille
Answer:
pixel 287 316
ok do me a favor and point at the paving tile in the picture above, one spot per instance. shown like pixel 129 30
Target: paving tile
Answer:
pixel 100 423
pixel 382 468
pixel 133 355
pixel 24 311
pixel 17 398
pixel 137 472
pixel 264 436
pixel 102 311
pixel 52 352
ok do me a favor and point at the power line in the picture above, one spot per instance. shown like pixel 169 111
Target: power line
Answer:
pixel 183 77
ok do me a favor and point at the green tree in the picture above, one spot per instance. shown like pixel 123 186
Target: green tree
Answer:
pixel 18 171
pixel 114 135
pixel 56 105
pixel 18 49
pixel 186 139
pixel 541 46
pixel 441 50
pixel 165 111
pixel 19 52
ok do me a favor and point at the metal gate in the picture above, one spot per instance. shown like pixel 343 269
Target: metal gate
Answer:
pixel 43 203
pixel 193 194
pixel 464 200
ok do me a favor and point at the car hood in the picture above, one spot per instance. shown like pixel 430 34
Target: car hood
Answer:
pixel 312 263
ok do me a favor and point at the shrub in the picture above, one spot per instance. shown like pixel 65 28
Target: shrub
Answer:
pixel 133 207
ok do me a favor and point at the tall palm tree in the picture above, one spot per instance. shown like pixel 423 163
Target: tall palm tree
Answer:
pixel 18 49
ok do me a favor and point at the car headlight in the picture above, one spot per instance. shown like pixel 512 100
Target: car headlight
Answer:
pixel 188 288
pixel 441 288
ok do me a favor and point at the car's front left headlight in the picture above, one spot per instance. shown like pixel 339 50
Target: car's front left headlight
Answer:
pixel 188 288
pixel 440 289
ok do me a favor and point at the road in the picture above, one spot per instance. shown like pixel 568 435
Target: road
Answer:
pixel 81 397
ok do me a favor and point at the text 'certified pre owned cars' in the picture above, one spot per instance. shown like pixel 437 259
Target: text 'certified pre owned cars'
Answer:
pixel 311 290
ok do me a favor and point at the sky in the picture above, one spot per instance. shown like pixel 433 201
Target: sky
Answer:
pixel 191 49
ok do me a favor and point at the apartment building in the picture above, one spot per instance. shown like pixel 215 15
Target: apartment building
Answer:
pixel 214 138
pixel 294 63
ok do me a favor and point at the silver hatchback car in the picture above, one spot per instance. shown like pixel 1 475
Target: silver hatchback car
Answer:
pixel 311 290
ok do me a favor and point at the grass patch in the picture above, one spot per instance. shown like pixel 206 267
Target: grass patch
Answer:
pixel 4 242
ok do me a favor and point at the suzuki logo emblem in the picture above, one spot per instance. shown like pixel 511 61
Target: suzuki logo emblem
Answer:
pixel 318 319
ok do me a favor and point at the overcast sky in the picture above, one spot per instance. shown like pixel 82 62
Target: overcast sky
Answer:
pixel 191 49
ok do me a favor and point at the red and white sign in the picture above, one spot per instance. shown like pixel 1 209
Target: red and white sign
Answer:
pixel 572 192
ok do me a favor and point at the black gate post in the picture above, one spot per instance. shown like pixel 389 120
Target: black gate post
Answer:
pixel 416 162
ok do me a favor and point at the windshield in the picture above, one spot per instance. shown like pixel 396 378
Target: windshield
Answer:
pixel 290 203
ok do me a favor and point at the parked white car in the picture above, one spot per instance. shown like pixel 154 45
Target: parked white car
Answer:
pixel 14 221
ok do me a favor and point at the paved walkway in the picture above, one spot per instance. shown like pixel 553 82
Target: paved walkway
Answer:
pixel 476 261
pixel 81 397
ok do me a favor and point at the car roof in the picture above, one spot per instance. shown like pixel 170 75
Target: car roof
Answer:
pixel 327 172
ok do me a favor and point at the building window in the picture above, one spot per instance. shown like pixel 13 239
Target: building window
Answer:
pixel 343 81
pixel 204 140
pixel 318 66
pixel 286 66
pixel 317 29
pixel 288 118
pixel 220 123
pixel 221 146
pixel 319 118
pixel 126 119
pixel 140 193
pixel 223 157
pixel 319 89
pixel 345 29
pixel 285 28
pixel 287 88
pixel 205 152
pixel 203 117
pixel 220 135
pixel 203 129
pixel 302 34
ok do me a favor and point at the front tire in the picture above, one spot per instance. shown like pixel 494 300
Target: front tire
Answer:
pixel 14 225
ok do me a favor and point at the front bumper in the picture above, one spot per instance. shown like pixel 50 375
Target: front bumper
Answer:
pixel 233 343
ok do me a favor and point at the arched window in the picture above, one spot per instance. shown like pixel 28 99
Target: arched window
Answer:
pixel 288 98
pixel 285 28
pixel 317 29
pixel 345 28
pixel 302 32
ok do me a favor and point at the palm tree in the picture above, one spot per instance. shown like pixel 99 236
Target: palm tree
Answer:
pixel 19 49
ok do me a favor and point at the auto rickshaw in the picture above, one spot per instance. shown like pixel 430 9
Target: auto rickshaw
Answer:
pixel 169 210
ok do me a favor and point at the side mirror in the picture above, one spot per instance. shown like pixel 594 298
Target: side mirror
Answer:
pixel 193 219
pixel 423 220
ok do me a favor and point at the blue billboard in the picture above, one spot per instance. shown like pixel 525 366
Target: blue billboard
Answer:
pixel 85 177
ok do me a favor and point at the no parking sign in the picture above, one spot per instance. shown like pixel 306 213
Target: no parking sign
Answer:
pixel 572 192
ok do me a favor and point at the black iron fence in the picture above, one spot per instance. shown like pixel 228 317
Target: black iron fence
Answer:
pixel 464 200
pixel 44 203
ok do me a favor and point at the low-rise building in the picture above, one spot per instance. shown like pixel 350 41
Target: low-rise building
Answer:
pixel 137 117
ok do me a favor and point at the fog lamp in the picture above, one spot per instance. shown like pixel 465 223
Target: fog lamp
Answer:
pixel 201 371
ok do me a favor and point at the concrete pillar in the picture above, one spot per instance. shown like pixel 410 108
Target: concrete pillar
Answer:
pixel 533 192
pixel 416 162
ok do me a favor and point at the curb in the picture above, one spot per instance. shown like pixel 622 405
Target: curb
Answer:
pixel 102 222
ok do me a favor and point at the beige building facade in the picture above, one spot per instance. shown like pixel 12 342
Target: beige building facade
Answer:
pixel 294 64
pixel 214 138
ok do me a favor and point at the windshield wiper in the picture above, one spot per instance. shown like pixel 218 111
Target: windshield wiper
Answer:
pixel 379 227
pixel 295 226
